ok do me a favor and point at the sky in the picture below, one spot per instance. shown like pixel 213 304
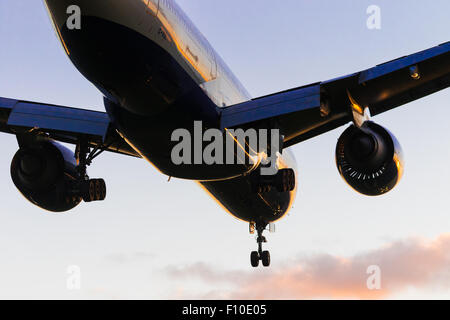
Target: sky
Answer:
pixel 153 239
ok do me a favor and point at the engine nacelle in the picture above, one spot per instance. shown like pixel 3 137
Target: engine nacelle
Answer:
pixel 45 174
pixel 369 159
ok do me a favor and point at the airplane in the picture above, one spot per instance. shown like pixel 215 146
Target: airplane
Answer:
pixel 158 73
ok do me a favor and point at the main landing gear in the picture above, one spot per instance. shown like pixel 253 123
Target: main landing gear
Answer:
pixel 93 190
pixel 260 255
pixel 89 189
pixel 282 181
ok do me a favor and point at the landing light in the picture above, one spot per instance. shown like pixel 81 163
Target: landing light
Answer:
pixel 414 72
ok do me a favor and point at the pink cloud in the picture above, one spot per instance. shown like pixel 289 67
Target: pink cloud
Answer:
pixel 412 263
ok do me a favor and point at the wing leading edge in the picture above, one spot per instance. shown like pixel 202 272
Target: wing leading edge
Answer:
pixel 304 112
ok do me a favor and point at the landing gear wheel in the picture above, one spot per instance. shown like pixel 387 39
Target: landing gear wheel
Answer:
pixel 100 189
pixel 88 190
pixel 264 188
pixel 285 180
pixel 93 190
pixel 254 259
pixel 265 258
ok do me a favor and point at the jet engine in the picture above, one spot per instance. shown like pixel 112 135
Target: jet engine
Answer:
pixel 369 159
pixel 46 174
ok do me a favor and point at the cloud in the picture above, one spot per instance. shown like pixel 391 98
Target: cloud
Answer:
pixel 407 264
pixel 121 258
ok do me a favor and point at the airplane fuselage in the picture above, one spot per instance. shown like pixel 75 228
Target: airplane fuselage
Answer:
pixel 158 73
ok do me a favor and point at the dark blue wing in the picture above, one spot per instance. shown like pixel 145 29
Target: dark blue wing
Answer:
pixel 305 112
pixel 61 123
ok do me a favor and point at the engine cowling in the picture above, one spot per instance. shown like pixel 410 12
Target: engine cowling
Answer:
pixel 45 174
pixel 369 159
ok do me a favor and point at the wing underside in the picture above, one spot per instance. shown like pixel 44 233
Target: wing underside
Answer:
pixel 62 124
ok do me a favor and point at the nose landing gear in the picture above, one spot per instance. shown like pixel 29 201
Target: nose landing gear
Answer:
pixel 260 255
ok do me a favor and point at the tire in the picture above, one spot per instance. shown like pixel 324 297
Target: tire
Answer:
pixel 291 180
pixel 88 190
pixel 285 180
pixel 281 180
pixel 265 257
pixel 100 189
pixel 103 189
pixel 254 259
pixel 93 190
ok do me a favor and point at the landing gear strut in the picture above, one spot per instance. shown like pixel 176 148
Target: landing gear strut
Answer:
pixel 260 255
pixel 89 189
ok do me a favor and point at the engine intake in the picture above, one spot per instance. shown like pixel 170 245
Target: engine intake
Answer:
pixel 45 173
pixel 369 159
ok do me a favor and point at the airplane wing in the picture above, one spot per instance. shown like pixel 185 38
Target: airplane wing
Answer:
pixel 304 112
pixel 62 124
pixel 301 113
